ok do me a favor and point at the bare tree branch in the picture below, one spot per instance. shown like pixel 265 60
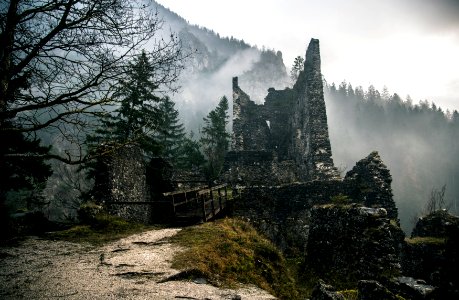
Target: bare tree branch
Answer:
pixel 61 60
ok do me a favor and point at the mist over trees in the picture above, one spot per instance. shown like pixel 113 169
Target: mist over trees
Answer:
pixel 215 139
pixel 216 60
pixel 69 67
pixel 418 142
pixel 60 63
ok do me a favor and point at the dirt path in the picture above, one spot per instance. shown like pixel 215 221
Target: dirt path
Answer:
pixel 131 268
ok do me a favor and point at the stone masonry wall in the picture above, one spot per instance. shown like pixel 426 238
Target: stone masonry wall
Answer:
pixel 250 130
pixel 352 242
pixel 127 183
pixel 252 168
pixel 292 123
pixel 372 182
pixel 282 212
pixel 310 141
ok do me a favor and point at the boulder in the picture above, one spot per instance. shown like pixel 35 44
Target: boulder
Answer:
pixel 324 291
pixel 373 184
pixel 353 242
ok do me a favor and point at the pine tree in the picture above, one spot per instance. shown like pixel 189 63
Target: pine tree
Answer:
pixel 171 132
pixel 298 65
pixel 23 172
pixel 138 117
pixel 190 157
pixel 215 139
pixel 135 122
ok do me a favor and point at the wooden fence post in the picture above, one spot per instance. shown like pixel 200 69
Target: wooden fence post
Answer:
pixel 220 198
pixel 212 202
pixel 203 202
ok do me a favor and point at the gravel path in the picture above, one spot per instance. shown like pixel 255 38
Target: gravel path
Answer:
pixel 131 268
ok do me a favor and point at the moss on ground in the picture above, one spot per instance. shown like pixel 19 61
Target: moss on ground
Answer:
pixel 102 229
pixel 425 240
pixel 230 251
pixel 349 294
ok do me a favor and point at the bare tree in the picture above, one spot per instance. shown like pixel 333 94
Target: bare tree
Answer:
pixel 436 200
pixel 60 61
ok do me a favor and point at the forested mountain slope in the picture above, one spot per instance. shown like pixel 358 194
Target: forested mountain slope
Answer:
pixel 418 142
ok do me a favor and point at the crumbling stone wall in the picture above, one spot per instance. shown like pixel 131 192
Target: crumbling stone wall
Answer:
pixel 372 181
pixel 353 242
pixel 126 182
pixel 283 212
pixel 278 111
pixel 310 141
pixel 250 130
pixel 252 168
pixel 292 123
pixel 432 253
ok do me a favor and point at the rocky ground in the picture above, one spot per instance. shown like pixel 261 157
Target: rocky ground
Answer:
pixel 136 267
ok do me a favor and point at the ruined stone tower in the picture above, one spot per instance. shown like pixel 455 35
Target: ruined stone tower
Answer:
pixel 286 138
pixel 310 142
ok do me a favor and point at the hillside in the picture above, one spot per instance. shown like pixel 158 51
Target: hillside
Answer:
pixel 418 141
pixel 207 76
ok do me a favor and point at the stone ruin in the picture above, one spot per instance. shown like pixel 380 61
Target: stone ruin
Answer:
pixel 281 159
pixel 347 228
pixel 283 145
pixel 126 184
pixel 285 139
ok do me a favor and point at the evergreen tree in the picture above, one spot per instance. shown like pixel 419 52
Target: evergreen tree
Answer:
pixel 298 65
pixel 190 157
pixel 23 172
pixel 171 132
pixel 138 118
pixel 215 139
pixel 135 122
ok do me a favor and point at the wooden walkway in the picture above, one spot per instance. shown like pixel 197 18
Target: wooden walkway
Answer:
pixel 185 206
pixel 197 204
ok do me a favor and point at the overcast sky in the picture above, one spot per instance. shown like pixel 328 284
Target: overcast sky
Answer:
pixel 410 46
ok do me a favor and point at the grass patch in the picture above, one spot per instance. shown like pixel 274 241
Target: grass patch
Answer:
pixel 349 294
pixel 230 251
pixel 103 228
pixel 340 199
pixel 425 240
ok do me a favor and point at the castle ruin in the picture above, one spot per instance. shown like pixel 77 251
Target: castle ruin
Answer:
pixel 281 158
pixel 285 139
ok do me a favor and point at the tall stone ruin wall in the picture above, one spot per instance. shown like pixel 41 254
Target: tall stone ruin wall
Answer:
pixel 292 123
pixel 311 147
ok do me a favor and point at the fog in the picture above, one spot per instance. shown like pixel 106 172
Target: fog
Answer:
pixel 200 92
pixel 418 143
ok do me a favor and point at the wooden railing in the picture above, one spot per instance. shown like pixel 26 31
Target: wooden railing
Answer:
pixel 205 203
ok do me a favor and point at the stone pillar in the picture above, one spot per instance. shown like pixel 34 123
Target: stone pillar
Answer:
pixel 311 143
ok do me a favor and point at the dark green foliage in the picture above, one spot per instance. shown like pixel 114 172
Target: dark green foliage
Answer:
pixel 189 155
pixel 215 139
pixel 171 133
pixel 138 117
pixel 135 122
pixel 21 166
pixel 298 66
pixel 23 171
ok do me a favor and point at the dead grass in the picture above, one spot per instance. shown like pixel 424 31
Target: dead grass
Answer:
pixel 103 229
pixel 425 240
pixel 230 251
